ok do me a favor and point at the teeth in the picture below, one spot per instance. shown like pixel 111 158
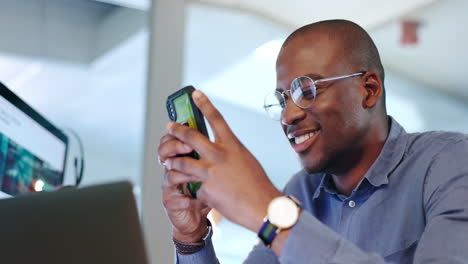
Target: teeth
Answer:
pixel 301 139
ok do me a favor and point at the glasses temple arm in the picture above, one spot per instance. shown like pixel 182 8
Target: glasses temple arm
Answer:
pixel 269 105
pixel 338 77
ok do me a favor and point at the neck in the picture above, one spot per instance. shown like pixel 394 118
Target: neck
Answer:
pixel 366 154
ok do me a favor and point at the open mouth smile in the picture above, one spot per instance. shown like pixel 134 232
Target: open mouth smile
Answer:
pixel 301 141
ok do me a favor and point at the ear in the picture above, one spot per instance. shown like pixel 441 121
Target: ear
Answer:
pixel 373 89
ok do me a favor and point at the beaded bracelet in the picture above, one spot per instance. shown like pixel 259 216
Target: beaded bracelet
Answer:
pixel 186 248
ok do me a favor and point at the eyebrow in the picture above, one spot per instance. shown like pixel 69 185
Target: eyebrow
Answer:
pixel 314 76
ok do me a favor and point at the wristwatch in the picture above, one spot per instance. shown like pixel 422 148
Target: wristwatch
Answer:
pixel 283 213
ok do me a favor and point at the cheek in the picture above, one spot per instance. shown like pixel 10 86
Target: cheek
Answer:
pixel 339 115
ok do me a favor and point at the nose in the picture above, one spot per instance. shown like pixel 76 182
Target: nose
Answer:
pixel 292 113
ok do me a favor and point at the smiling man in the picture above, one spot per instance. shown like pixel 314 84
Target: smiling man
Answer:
pixel 368 193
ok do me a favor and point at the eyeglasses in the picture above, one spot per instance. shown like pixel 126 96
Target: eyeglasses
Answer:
pixel 303 91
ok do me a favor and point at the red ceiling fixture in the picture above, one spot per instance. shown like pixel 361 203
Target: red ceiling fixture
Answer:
pixel 409 32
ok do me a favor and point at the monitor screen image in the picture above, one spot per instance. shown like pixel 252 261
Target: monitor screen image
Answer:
pixel 32 150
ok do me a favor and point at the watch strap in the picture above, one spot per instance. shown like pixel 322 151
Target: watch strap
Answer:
pixel 268 232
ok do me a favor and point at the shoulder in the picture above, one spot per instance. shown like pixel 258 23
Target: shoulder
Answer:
pixel 446 181
pixel 436 155
pixel 422 149
pixel 450 153
pixel 443 156
pixel 436 142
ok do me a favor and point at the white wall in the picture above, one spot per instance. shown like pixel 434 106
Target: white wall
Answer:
pixel 421 108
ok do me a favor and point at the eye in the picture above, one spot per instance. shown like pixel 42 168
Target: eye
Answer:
pixel 321 86
pixel 281 98
pixel 308 95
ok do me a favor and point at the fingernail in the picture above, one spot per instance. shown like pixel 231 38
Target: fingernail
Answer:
pixel 168 164
pixel 168 126
pixel 197 94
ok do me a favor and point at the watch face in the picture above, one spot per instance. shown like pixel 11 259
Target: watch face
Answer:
pixel 283 212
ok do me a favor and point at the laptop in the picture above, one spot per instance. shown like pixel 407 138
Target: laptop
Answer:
pixel 33 152
pixel 96 224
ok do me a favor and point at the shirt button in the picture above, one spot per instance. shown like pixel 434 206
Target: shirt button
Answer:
pixel 351 204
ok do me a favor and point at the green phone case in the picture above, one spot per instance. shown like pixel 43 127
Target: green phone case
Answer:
pixel 182 109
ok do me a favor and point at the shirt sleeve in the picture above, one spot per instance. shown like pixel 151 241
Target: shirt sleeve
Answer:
pixel 261 255
pixel 310 241
pixel 445 237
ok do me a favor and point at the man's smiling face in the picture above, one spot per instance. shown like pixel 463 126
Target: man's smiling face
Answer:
pixel 326 135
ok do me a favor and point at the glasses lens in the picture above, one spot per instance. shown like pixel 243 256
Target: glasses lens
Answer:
pixel 273 104
pixel 303 91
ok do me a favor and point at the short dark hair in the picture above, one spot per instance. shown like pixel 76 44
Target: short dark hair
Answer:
pixel 357 42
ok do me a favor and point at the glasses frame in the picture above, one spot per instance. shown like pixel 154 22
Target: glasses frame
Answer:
pixel 315 82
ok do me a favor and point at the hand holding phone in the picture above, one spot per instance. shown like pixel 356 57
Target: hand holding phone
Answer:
pixel 182 109
pixel 234 182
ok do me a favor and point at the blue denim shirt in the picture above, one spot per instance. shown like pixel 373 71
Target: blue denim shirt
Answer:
pixel 410 207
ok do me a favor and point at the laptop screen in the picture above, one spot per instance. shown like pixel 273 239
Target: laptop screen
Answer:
pixel 32 150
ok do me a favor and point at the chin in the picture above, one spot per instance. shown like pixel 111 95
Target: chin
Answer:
pixel 312 165
pixel 312 169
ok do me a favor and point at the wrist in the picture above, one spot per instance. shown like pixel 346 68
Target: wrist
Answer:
pixel 257 215
pixel 188 248
pixel 283 213
pixel 196 236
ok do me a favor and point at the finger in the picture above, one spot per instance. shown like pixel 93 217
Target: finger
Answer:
pixel 217 123
pixel 189 166
pixel 175 178
pixel 174 203
pixel 172 190
pixel 192 137
pixel 183 203
pixel 206 210
pixel 171 148
pixel 199 205
pixel 165 138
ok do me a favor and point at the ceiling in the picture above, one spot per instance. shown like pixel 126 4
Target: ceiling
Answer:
pixel 294 13
pixel 439 60
pixel 440 30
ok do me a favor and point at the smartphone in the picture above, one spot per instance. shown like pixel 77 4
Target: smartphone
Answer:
pixel 182 109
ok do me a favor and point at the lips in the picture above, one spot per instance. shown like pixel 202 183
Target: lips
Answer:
pixel 302 140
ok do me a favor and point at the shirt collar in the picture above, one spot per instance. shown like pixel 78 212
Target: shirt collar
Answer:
pixel 388 159
pixel 391 154
pixel 323 185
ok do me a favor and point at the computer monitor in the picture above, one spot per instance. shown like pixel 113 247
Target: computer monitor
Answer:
pixel 32 150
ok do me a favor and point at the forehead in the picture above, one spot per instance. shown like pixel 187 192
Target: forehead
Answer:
pixel 316 54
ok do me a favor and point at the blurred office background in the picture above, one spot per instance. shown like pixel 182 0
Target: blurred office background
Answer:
pixel 84 65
